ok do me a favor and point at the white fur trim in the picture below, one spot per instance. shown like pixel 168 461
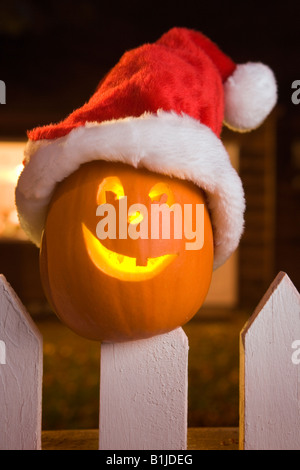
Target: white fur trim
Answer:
pixel 250 95
pixel 165 143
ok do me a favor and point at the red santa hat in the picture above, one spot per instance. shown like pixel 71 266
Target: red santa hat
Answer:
pixel 162 108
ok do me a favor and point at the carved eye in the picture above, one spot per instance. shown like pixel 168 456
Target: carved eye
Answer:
pixel 112 184
pixel 161 192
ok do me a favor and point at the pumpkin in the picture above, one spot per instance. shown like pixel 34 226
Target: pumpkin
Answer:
pixel 111 277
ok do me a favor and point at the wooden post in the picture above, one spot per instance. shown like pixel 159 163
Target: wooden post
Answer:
pixel 21 368
pixel 143 393
pixel 270 371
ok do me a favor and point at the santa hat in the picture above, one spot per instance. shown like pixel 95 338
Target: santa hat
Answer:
pixel 162 108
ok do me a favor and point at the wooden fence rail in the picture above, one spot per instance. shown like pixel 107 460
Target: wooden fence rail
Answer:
pixel 145 381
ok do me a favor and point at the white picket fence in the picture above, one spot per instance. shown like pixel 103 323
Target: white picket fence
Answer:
pixel 143 386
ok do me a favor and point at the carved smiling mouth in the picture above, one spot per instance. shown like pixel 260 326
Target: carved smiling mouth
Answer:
pixel 122 267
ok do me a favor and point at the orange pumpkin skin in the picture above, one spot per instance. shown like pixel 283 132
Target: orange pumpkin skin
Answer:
pixel 98 305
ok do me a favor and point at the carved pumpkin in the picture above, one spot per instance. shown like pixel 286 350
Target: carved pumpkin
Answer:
pixel 139 283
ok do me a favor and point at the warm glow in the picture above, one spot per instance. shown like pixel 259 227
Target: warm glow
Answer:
pixel 135 218
pixel 120 266
pixel 112 184
pixel 11 157
pixel 159 190
pixel 11 174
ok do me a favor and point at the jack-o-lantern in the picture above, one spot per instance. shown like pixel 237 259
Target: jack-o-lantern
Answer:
pixel 150 133
pixel 131 285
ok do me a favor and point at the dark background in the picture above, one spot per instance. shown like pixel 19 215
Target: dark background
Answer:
pixel 52 56
pixel 53 53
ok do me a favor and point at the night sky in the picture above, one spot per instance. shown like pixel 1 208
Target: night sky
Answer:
pixel 54 53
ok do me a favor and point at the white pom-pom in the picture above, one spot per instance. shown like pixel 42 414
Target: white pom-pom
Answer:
pixel 250 95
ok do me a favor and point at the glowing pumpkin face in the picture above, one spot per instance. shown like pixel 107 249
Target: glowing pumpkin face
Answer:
pixel 115 264
pixel 123 255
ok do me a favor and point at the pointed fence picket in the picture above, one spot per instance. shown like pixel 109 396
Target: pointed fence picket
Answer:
pixel 21 367
pixel 270 371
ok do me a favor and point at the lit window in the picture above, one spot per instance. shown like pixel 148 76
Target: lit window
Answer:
pixel 11 157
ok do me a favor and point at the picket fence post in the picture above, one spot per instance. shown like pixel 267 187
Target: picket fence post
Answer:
pixel 270 371
pixel 143 393
pixel 21 369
